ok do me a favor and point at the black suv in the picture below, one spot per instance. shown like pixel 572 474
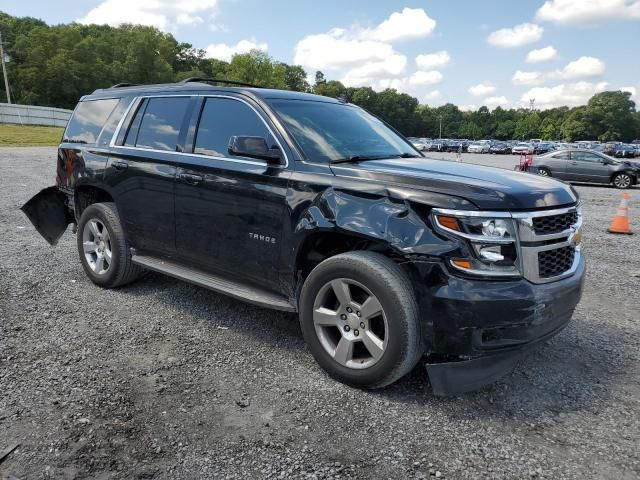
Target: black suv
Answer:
pixel 308 204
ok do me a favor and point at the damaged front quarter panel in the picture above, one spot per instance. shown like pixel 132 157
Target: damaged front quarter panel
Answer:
pixel 49 214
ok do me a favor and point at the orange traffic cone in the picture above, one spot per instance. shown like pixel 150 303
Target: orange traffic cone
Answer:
pixel 620 223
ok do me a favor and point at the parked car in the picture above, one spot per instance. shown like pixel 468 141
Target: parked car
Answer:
pixel 418 143
pixel 437 146
pixel 500 148
pixel 542 147
pixel 624 150
pixel 479 147
pixel 583 165
pixel 308 204
pixel 609 148
pixel 522 148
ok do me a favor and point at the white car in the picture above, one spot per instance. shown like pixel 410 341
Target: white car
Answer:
pixel 479 147
pixel 522 148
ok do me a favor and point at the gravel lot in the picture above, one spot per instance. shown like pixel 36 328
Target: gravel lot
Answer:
pixel 162 379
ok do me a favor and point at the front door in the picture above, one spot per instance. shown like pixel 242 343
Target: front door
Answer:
pixel 230 210
pixel 587 167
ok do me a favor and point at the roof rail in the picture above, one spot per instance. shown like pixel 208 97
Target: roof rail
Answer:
pixel 120 85
pixel 217 80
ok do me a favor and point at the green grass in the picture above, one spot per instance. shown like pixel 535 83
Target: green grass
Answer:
pixel 29 136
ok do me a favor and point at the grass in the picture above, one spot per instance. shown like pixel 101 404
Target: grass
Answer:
pixel 29 136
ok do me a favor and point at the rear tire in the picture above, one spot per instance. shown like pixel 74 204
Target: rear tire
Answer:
pixel 622 180
pixel 354 339
pixel 103 248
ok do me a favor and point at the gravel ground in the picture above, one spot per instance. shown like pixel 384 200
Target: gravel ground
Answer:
pixel 162 379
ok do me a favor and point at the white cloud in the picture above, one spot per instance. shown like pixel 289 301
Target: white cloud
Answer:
pixel 360 56
pixel 570 94
pixel 542 55
pixel 429 61
pixel 496 101
pixel 482 89
pixel 586 12
pixel 635 93
pixel 583 67
pixel 409 24
pixel 434 98
pixel 163 14
pixel 527 78
pixel 222 51
pixel 467 108
pixel 517 36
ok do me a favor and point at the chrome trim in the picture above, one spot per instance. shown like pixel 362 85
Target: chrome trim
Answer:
pixel 198 155
pixel 485 273
pixel 257 162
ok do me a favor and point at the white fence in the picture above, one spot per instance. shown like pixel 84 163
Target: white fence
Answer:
pixel 32 115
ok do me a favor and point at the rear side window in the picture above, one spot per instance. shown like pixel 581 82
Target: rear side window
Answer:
pixel 561 156
pixel 88 119
pixel 221 119
pixel 161 122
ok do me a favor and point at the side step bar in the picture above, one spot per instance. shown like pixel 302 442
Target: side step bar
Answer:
pixel 241 291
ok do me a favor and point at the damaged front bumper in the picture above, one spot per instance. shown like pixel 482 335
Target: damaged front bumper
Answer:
pixel 485 328
pixel 49 213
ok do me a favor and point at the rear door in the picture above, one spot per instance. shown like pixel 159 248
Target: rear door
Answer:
pixel 142 168
pixel 587 167
pixel 230 210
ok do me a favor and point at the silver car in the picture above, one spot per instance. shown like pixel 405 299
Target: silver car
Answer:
pixel 582 165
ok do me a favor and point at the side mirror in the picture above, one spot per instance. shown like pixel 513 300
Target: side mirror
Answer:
pixel 254 147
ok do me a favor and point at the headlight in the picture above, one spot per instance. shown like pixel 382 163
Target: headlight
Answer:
pixel 492 239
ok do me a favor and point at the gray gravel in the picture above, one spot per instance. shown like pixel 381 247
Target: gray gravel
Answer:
pixel 162 379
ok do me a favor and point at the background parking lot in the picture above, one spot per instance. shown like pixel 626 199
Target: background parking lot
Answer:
pixel 162 379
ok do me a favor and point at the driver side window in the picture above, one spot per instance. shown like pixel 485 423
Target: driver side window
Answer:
pixel 223 118
pixel 585 157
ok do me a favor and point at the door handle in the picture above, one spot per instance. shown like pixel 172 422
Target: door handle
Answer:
pixel 190 178
pixel 119 165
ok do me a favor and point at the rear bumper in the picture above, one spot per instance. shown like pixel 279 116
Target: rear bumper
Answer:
pixel 483 328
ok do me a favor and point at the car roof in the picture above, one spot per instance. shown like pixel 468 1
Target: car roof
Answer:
pixel 201 88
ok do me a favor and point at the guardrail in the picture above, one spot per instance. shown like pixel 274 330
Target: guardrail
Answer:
pixel 33 115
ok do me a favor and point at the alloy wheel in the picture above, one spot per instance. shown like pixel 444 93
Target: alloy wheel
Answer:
pixel 622 181
pixel 350 323
pixel 96 245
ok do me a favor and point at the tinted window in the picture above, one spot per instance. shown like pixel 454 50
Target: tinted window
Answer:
pixel 223 118
pixel 88 119
pixel 113 121
pixel 561 156
pixel 134 128
pixel 585 157
pixel 332 131
pixel 161 123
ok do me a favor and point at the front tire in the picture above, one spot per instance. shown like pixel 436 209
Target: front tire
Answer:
pixel 359 317
pixel 544 172
pixel 622 180
pixel 103 248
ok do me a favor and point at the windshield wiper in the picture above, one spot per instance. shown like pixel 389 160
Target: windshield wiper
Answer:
pixel 363 158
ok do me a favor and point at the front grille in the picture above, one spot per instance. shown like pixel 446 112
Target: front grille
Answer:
pixel 552 263
pixel 554 223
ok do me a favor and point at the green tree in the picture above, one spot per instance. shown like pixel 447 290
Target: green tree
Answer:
pixel 528 126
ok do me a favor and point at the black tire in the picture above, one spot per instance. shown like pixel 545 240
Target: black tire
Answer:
pixel 121 270
pixel 393 289
pixel 544 172
pixel 622 180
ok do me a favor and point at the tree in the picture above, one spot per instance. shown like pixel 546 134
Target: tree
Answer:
pixel 528 126
pixel 611 114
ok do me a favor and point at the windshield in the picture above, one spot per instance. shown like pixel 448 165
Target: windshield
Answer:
pixel 330 132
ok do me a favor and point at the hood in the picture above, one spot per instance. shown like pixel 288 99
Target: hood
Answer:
pixel 486 187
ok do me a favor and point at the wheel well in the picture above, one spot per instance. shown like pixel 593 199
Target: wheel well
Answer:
pixel 320 246
pixel 634 178
pixel 85 196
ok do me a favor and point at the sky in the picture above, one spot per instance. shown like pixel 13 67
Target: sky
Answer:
pixel 467 52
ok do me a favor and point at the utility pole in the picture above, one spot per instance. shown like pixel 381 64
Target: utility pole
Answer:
pixel 532 104
pixel 440 118
pixel 4 70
